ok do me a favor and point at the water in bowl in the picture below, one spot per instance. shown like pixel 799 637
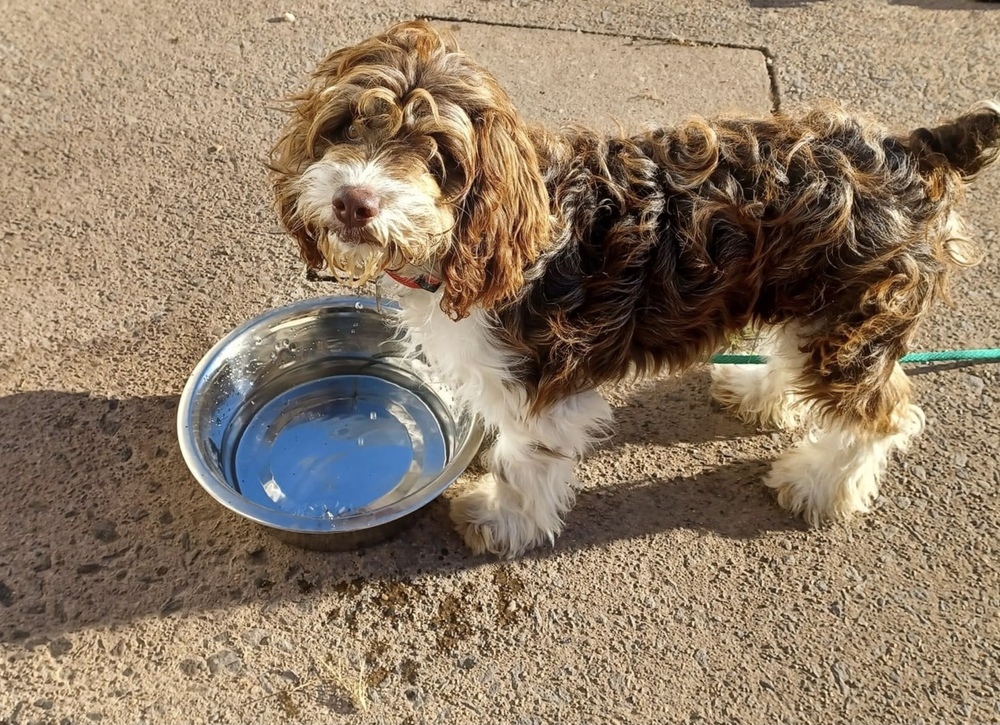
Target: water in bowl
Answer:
pixel 337 444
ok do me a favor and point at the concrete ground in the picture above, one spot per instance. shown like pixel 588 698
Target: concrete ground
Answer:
pixel 136 229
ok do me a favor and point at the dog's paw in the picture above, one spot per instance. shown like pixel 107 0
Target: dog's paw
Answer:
pixel 821 486
pixel 833 474
pixel 755 395
pixel 487 525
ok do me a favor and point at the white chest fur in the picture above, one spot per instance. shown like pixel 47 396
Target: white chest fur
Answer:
pixel 465 354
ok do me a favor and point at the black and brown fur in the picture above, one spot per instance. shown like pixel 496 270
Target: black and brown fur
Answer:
pixel 603 255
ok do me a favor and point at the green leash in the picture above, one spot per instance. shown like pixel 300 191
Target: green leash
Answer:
pixel 983 355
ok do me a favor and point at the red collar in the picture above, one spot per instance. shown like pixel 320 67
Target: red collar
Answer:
pixel 426 283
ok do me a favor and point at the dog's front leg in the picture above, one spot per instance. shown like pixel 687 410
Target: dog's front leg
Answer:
pixel 521 502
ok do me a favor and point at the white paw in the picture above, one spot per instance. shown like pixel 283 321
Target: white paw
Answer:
pixel 756 394
pixel 822 494
pixel 488 523
pixel 832 474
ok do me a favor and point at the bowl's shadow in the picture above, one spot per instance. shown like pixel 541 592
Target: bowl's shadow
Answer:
pixel 104 524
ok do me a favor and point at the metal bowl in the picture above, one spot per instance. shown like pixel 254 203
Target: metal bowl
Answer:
pixel 310 421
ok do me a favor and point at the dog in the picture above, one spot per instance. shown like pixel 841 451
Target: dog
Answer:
pixel 534 266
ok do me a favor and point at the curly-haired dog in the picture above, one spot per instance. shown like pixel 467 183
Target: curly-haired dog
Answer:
pixel 535 266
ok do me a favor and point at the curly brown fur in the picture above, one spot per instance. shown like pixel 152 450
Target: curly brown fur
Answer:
pixel 672 240
pixel 572 259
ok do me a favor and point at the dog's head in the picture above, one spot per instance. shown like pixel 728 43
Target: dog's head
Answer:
pixel 404 155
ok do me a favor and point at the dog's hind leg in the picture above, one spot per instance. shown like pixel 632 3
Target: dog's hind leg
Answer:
pixel 764 395
pixel 861 411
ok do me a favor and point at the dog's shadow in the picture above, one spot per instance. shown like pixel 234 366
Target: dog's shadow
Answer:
pixel 669 410
pixel 965 5
pixel 103 523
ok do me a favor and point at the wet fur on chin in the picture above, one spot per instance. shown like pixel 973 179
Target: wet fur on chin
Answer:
pixel 573 259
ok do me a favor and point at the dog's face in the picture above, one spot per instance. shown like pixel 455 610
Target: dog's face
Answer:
pixel 404 155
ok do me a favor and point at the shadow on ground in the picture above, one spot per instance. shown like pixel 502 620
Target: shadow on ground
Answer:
pixel 924 4
pixel 950 4
pixel 103 523
pixel 762 4
pixel 669 410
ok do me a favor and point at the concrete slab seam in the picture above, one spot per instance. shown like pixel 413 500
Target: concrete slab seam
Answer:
pixel 769 57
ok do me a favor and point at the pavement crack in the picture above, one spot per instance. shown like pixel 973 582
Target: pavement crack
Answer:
pixel 769 57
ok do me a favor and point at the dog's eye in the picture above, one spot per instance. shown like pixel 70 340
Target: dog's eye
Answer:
pixel 352 133
pixel 436 165
pixel 448 173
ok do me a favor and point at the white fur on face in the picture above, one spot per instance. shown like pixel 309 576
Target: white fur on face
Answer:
pixel 411 227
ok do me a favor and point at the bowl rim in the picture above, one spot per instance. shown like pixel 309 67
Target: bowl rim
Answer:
pixel 222 492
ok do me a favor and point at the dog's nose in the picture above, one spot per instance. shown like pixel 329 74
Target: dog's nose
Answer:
pixel 355 206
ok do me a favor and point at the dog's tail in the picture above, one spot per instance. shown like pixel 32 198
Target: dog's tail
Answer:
pixel 966 145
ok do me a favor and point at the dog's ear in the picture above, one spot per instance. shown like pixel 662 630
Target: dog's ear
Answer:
pixel 305 237
pixel 503 218
pixel 309 111
pixel 289 153
pixel 295 149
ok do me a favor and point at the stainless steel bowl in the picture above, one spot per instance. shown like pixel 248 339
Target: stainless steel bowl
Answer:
pixel 309 421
